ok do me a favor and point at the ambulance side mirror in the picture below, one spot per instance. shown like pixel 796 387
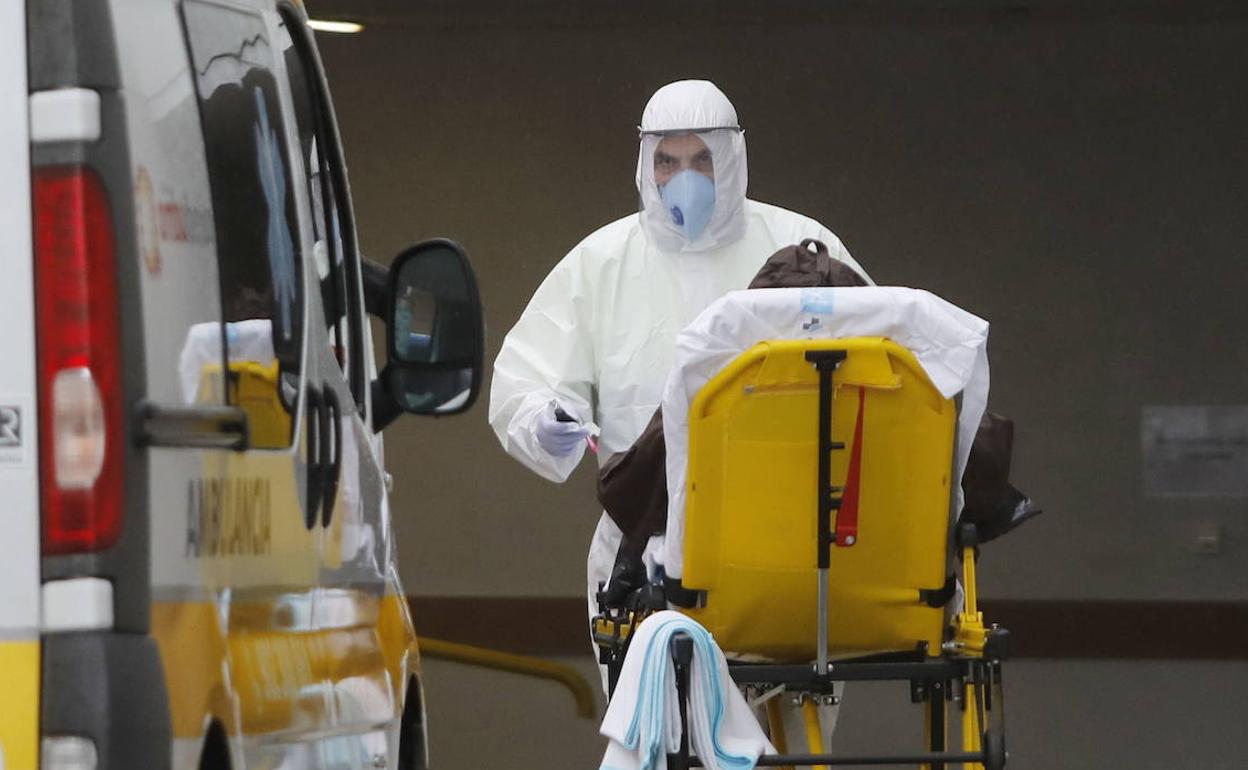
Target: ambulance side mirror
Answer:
pixel 435 336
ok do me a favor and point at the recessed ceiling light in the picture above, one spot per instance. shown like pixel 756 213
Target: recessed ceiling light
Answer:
pixel 321 25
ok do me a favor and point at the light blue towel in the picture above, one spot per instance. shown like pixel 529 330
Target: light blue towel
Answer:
pixel 643 718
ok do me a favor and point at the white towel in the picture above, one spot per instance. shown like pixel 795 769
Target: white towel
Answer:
pixel 643 718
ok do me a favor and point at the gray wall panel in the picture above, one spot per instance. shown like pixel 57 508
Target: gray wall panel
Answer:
pixel 1077 181
pixel 1059 714
pixel 1076 176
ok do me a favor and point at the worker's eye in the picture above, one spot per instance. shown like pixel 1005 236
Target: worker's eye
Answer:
pixel 664 161
pixel 702 161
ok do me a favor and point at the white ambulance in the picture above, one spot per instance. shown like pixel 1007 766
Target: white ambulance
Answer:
pixel 196 559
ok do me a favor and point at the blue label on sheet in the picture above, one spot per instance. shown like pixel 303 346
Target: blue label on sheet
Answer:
pixel 817 300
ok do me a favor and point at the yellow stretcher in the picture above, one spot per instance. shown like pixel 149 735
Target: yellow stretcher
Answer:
pixel 255 388
pixel 817 530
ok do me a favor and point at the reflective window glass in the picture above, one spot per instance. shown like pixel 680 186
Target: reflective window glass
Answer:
pixel 258 246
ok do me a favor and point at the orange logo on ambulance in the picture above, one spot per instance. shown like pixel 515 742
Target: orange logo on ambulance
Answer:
pixel 149 226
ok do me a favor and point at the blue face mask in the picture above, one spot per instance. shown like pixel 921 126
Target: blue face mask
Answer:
pixel 690 199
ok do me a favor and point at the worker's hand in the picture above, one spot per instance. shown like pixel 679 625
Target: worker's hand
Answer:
pixel 559 437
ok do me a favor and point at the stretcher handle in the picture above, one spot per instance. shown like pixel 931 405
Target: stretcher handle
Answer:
pixel 825 362
pixel 681 648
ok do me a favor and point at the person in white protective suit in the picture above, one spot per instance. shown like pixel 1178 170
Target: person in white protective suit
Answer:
pixel 591 353
pixel 596 341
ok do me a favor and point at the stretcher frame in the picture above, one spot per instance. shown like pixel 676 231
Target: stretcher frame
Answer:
pixel 967 671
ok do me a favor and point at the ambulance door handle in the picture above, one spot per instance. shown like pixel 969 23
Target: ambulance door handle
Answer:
pixel 199 427
pixel 331 466
pixel 315 428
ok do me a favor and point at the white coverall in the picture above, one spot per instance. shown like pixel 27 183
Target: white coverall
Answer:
pixel 599 334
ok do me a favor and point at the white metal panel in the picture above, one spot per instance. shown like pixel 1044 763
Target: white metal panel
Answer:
pixel 65 115
pixel 177 253
pixel 172 198
pixel 77 604
pixel 19 480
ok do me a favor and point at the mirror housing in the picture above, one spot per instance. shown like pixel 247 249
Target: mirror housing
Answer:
pixel 435 335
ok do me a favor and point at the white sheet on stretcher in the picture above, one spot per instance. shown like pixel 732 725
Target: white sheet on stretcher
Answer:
pixel 949 343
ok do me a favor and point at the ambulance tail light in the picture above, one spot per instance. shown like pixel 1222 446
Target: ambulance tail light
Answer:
pixel 80 414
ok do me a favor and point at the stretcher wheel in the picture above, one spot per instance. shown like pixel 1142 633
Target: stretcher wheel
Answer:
pixel 994 750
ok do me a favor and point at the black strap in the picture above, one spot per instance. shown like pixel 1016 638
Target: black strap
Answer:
pixel 679 595
pixel 939 597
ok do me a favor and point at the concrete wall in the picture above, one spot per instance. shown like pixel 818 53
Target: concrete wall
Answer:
pixel 1076 174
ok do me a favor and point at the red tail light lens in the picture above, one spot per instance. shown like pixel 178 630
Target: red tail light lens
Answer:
pixel 80 412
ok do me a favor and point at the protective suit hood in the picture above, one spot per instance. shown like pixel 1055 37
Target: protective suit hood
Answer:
pixel 696 106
